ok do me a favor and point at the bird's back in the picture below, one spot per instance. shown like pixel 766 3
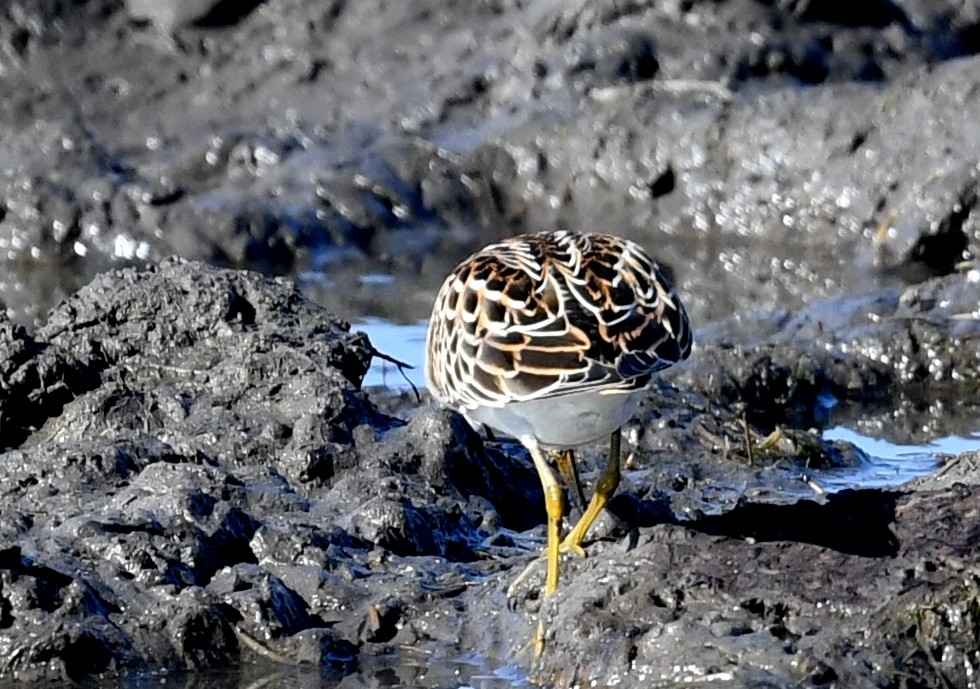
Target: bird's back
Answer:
pixel 549 315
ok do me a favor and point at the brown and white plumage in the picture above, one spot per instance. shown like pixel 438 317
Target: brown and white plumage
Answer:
pixel 552 338
pixel 548 315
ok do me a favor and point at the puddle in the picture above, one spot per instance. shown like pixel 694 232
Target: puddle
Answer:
pixel 405 671
pixel 885 450
pixel 889 464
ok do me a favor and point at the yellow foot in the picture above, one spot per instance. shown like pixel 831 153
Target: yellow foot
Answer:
pixel 572 543
pixel 569 545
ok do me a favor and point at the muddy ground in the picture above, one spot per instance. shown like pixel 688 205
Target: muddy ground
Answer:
pixel 192 477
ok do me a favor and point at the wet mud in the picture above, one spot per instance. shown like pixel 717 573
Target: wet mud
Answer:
pixel 769 153
pixel 194 481
pixel 192 478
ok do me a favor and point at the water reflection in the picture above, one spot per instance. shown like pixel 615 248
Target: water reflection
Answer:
pixel 890 464
pixel 410 670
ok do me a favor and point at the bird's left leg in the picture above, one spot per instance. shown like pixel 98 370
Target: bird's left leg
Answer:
pixel 565 461
pixel 555 507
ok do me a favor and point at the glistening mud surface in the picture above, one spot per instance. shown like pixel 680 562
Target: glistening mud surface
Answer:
pixel 193 479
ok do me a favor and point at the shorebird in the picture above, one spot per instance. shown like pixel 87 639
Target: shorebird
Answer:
pixel 553 338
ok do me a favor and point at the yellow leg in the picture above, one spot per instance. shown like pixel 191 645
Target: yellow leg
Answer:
pixel 566 467
pixel 604 489
pixel 555 506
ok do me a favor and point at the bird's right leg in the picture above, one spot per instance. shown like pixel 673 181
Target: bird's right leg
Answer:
pixel 605 487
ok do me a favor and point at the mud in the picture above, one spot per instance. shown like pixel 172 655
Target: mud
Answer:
pixel 193 481
pixel 770 153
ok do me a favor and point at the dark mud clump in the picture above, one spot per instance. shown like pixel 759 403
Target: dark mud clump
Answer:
pixel 148 424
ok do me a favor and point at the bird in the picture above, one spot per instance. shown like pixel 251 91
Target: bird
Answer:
pixel 553 338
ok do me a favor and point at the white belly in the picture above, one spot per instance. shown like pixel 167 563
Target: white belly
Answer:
pixel 559 423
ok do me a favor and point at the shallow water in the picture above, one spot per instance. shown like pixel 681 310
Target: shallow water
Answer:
pixel 889 463
pixel 407 671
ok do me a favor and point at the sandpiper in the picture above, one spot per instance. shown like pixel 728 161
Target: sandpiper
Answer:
pixel 552 338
